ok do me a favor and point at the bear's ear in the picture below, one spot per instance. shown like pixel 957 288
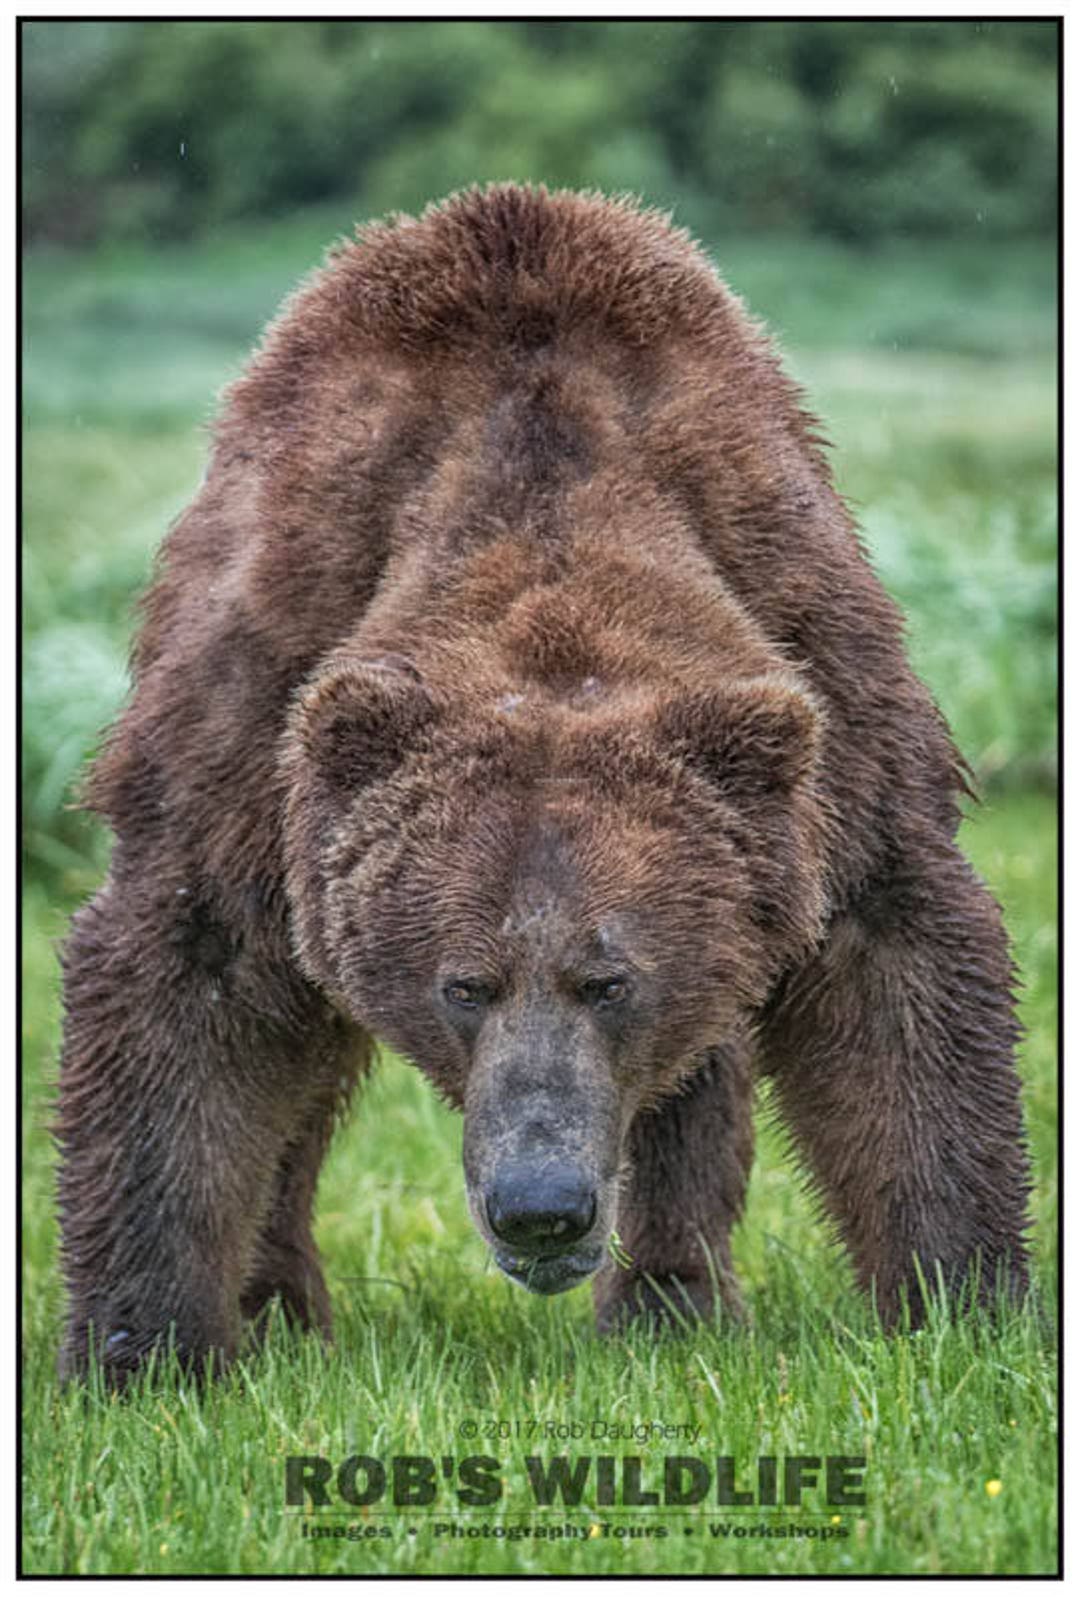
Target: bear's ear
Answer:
pixel 758 735
pixel 356 722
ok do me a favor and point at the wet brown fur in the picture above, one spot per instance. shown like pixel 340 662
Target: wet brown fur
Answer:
pixel 514 529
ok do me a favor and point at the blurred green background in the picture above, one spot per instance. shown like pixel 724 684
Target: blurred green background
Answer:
pixel 856 130
pixel 883 193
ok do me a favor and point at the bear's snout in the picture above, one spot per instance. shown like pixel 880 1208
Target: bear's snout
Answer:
pixel 542 1217
pixel 545 1210
pixel 542 1143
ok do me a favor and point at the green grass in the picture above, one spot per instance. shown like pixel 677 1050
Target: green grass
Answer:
pixel 945 442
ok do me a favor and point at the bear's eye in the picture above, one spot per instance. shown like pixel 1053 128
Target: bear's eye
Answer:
pixel 466 993
pixel 605 991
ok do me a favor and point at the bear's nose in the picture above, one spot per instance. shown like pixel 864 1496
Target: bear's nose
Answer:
pixel 550 1207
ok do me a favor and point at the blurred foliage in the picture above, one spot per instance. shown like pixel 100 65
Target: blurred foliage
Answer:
pixel 857 130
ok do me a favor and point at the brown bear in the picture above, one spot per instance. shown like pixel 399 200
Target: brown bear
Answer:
pixel 516 692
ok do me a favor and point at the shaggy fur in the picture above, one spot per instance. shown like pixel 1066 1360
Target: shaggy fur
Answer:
pixel 518 638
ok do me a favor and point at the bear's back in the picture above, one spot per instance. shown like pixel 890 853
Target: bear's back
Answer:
pixel 517 369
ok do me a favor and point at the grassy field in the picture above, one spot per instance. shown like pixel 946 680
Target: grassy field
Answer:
pixel 935 376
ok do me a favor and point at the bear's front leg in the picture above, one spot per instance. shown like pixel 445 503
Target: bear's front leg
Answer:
pixel 285 1264
pixel 689 1163
pixel 181 1082
pixel 892 1056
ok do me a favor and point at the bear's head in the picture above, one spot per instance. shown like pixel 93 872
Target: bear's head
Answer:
pixel 554 906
